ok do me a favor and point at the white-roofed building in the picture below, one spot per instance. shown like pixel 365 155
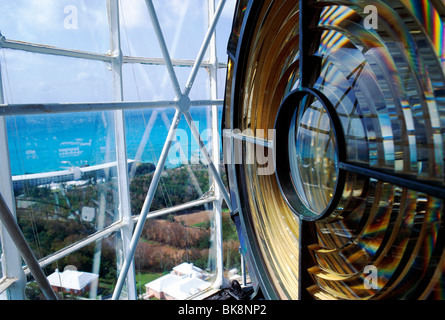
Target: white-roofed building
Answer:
pixel 184 281
pixel 185 288
pixel 74 282
pixel 187 269
pixel 156 287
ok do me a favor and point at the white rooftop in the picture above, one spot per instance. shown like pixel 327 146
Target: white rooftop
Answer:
pixel 163 282
pixel 186 287
pixel 186 282
pixel 187 269
pixel 71 279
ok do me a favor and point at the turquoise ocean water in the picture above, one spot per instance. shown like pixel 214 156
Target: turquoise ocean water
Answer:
pixel 43 143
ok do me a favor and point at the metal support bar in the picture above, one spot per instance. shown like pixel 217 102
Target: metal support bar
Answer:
pixel 308 40
pixel 206 155
pixel 147 204
pixel 16 234
pixel 203 49
pixel 78 245
pixel 6 283
pixel 217 204
pixel 202 103
pixel 251 139
pixel 121 147
pixel 50 50
pixel 175 62
pixel 11 261
pixel 191 174
pixel 161 41
pixel 393 178
pixel 48 108
pixel 180 207
pixel 243 269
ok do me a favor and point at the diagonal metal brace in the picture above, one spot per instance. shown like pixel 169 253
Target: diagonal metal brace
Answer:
pixel 17 236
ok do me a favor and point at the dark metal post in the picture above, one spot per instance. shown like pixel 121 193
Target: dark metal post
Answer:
pixel 309 41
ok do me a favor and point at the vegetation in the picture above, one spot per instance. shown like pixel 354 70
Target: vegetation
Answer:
pixel 52 218
pixel 175 187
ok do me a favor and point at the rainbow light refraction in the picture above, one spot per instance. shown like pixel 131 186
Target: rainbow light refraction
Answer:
pixel 425 12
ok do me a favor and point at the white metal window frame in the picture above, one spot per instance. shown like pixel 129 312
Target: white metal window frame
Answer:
pixel 130 227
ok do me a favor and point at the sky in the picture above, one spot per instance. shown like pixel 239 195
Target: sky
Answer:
pixel 83 25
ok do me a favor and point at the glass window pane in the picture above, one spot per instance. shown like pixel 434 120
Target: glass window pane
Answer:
pixel 69 24
pixel 89 273
pixel 147 83
pixel 185 177
pixel 175 254
pixel 37 78
pixel 64 176
pixel 183 39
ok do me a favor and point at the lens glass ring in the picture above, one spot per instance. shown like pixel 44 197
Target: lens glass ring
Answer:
pixel 307 154
pixel 312 155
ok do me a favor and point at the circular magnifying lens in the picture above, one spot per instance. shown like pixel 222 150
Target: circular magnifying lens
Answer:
pixel 313 157
pixel 307 154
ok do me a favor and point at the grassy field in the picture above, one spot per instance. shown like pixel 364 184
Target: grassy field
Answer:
pixel 143 278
